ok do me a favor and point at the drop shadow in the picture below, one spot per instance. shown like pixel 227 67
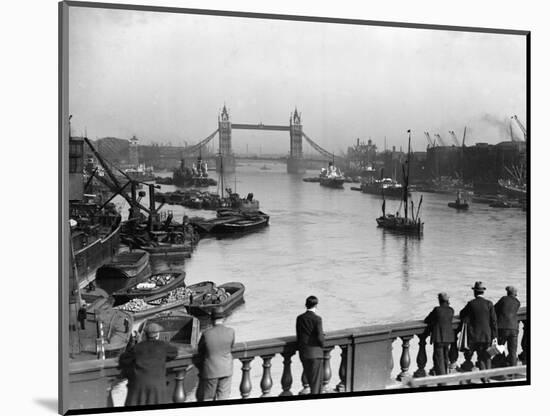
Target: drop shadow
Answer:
pixel 49 404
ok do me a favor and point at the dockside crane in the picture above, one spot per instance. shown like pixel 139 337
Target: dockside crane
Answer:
pixel 115 185
pixel 440 140
pixel 453 136
pixel 521 126
pixel 431 143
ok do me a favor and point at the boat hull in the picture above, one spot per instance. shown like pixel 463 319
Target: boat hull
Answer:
pixel 332 182
pixel 400 224
pixel 457 205
pixel 236 291
pixel 131 292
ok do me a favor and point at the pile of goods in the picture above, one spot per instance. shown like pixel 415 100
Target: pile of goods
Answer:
pixel 135 305
pixel 155 281
pixel 214 296
pixel 176 295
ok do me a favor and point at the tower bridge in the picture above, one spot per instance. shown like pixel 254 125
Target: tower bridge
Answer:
pixel 295 161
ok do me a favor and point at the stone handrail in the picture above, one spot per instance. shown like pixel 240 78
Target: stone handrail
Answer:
pixel 366 359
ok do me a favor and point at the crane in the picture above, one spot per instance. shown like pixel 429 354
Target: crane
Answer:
pixel 430 141
pixel 521 126
pixel 440 140
pixel 453 136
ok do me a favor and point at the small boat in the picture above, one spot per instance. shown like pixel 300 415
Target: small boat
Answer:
pixel 407 224
pixel 178 328
pixel 156 285
pixel 459 203
pixel 500 204
pixel 331 177
pixel 384 186
pixel 264 167
pixel 227 296
pixel 315 179
pixel 239 223
pixel 125 269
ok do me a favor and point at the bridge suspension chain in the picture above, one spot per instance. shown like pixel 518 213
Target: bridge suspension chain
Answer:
pixel 324 152
pixel 195 147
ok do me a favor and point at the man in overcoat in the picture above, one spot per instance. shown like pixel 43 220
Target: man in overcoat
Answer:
pixel 481 320
pixel 145 366
pixel 440 327
pixel 311 339
pixel 507 321
pixel 215 361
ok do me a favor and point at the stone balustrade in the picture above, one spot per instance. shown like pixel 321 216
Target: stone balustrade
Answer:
pixel 365 363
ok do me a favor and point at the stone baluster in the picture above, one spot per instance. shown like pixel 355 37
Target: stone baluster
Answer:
pixel 179 389
pixel 327 372
pixel 405 360
pixel 524 358
pixel 421 358
pixel 267 381
pixel 246 385
pixel 305 384
pixel 286 378
pixel 453 357
pixel 343 370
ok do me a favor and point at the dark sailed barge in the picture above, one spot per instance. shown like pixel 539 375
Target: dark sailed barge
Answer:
pixel 408 224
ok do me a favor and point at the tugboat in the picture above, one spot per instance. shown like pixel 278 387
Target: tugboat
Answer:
pixel 406 224
pixel 459 203
pixel 196 176
pixel 331 177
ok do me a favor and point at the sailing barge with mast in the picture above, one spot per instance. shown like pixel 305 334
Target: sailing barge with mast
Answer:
pixel 409 224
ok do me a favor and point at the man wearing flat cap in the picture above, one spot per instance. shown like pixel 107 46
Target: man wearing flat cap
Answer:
pixel 215 361
pixel 145 366
pixel 507 320
pixel 440 328
pixel 481 320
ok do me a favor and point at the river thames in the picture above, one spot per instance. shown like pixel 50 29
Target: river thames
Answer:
pixel 325 242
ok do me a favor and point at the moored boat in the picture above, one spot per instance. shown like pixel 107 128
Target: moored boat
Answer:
pixel 178 328
pixel 124 269
pixel 227 297
pixel 155 285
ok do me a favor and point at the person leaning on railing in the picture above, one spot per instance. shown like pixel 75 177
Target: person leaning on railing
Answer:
pixel 442 335
pixel 145 366
pixel 480 318
pixel 310 339
pixel 507 321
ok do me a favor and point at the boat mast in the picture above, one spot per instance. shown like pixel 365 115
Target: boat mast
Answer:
pixel 406 190
pixel 221 172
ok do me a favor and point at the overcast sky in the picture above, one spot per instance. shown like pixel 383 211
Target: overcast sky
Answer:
pixel 164 78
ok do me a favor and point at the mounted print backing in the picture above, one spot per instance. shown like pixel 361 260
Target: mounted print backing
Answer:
pixel 266 207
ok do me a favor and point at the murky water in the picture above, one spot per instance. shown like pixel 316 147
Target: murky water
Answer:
pixel 325 242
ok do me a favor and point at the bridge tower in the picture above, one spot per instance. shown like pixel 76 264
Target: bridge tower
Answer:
pixel 226 151
pixel 295 162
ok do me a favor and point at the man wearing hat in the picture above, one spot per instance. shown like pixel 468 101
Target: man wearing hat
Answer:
pixel 480 318
pixel 215 361
pixel 145 366
pixel 507 320
pixel 310 339
pixel 440 327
